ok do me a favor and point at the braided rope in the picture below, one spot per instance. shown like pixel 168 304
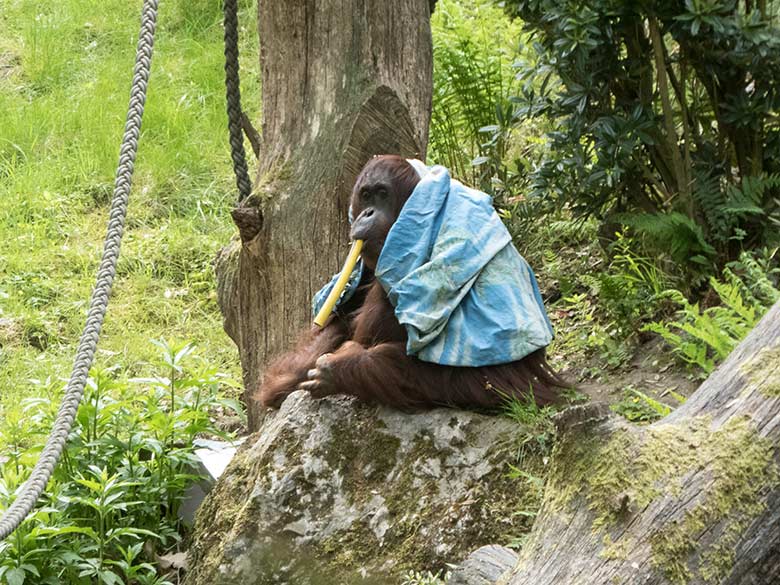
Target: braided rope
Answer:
pixel 233 93
pixel 40 475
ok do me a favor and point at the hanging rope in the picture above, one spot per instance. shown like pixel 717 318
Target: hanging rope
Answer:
pixel 233 91
pixel 40 475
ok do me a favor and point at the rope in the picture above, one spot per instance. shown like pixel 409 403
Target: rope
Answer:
pixel 40 475
pixel 233 92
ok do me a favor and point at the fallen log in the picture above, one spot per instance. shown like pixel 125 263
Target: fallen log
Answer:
pixel 691 499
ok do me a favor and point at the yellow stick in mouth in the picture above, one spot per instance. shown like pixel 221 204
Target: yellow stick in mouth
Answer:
pixel 341 283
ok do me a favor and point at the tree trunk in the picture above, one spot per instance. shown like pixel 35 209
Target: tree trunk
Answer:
pixel 691 499
pixel 342 80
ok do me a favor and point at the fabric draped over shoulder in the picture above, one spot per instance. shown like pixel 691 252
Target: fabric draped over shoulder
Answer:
pixel 464 294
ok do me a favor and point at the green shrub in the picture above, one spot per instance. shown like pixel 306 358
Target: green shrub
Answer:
pixel 702 337
pixel 606 296
pixel 630 286
pixel 474 47
pixel 638 407
pixel 662 116
pixel 121 478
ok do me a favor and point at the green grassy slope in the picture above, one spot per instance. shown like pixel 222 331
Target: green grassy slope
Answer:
pixel 65 70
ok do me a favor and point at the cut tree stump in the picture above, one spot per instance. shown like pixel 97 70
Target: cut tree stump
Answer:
pixel 342 80
pixel 691 499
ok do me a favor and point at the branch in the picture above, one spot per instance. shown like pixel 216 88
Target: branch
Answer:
pixel 252 135
pixel 683 180
pixel 679 87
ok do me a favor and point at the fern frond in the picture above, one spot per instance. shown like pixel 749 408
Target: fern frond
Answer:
pixel 674 233
pixel 750 197
pixel 731 296
pixel 711 200
pixel 712 336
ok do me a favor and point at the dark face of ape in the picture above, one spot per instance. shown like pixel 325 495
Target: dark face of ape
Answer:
pixel 381 189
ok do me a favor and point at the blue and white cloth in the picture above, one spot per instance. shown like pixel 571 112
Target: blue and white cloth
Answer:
pixel 460 288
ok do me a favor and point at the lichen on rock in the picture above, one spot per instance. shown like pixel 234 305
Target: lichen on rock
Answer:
pixel 337 491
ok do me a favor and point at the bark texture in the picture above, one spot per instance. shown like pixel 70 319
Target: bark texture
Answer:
pixel 485 566
pixel 343 80
pixel 691 499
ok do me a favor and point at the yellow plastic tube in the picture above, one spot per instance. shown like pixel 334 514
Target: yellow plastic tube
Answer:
pixel 341 283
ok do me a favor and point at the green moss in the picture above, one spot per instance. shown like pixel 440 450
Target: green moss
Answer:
pixel 613 551
pixel 347 451
pixel 601 469
pixel 763 370
pixel 628 471
pixel 220 512
pixel 366 461
pixel 743 469
pixel 346 551
pixel 413 503
pixel 271 182
pixel 367 456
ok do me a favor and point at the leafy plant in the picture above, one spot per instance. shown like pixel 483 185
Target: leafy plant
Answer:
pixel 606 299
pixel 638 407
pixel 579 330
pixel 662 114
pixel 474 47
pixel 675 234
pixel 537 431
pixel 703 337
pixel 122 476
pixel 427 578
pixel 629 288
pixel 757 275
pixel 727 207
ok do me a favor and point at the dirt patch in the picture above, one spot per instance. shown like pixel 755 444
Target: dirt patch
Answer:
pixel 10 331
pixel 652 370
pixel 10 64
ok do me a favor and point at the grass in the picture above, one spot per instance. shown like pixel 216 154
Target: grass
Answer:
pixel 65 70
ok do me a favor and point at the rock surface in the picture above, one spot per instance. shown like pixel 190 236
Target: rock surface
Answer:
pixel 336 491
pixel 485 566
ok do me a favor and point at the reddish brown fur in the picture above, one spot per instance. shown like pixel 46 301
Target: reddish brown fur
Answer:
pixel 365 346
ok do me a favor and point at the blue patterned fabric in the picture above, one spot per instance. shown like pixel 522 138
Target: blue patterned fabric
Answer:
pixel 352 284
pixel 460 288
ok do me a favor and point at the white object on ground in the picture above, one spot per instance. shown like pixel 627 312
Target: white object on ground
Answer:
pixel 213 458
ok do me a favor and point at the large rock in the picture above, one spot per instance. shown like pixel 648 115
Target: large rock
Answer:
pixel 335 491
